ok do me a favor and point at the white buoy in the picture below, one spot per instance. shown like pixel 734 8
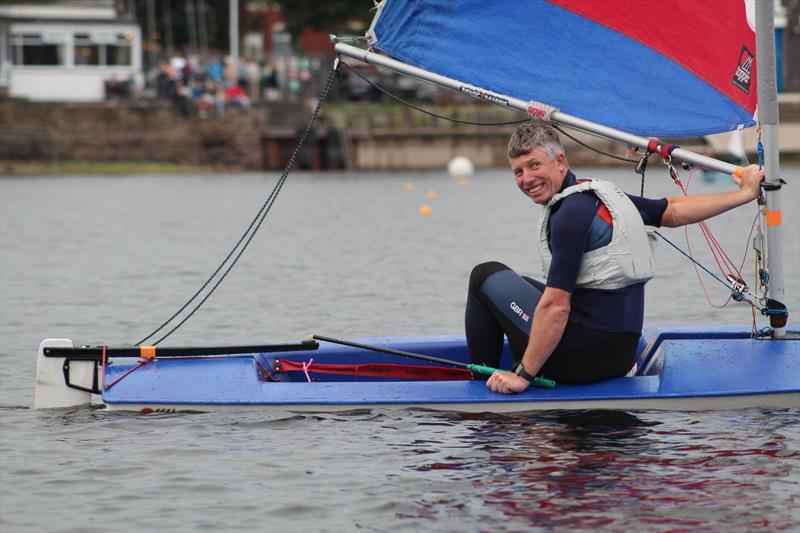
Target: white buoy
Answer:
pixel 460 167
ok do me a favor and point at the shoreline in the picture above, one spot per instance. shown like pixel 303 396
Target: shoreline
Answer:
pixel 20 169
pixel 122 137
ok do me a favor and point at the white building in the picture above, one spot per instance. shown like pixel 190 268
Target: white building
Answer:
pixel 66 51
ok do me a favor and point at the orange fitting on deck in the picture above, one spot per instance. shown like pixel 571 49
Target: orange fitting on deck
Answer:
pixel 147 352
pixel 773 218
pixel 738 171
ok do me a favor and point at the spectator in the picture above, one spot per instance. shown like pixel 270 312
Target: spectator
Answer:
pixel 237 97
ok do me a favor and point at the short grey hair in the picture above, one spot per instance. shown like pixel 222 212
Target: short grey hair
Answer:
pixel 531 135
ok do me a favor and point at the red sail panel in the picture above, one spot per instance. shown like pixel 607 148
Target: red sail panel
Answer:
pixel 712 39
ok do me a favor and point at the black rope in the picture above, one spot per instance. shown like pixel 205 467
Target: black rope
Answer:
pixel 473 123
pixel 641 168
pixel 252 229
pixel 592 148
pixel 431 113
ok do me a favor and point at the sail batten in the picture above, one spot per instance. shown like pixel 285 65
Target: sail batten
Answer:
pixel 550 51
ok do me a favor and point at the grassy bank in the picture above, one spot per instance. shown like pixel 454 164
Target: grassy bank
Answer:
pixel 94 168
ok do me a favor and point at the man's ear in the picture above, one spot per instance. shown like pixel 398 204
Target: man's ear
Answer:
pixel 561 160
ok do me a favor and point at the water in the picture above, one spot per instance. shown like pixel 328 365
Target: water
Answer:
pixel 106 260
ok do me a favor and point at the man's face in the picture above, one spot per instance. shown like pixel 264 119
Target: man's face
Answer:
pixel 537 176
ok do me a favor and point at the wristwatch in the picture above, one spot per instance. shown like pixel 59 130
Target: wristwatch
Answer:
pixel 520 371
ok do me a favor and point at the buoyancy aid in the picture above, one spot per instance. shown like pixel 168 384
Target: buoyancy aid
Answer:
pixel 626 260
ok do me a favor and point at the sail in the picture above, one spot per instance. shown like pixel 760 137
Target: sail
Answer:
pixel 650 67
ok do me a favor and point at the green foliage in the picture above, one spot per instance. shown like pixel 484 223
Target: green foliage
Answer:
pixel 332 16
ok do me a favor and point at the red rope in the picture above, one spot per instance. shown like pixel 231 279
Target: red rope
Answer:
pixel 139 365
pixel 725 264
pixel 382 370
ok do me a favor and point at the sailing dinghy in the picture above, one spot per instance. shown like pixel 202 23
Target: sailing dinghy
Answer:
pixel 632 75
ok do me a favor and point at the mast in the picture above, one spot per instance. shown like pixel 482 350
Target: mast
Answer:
pixel 768 120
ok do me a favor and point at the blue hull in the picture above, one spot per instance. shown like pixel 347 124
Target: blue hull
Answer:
pixel 679 368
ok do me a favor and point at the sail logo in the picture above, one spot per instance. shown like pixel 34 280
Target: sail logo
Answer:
pixel 483 95
pixel 744 71
pixel 537 113
pixel 519 312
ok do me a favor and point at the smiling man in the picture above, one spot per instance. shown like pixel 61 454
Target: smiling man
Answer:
pixel 583 325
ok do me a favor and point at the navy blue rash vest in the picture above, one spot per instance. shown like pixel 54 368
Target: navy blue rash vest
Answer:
pixel 580 224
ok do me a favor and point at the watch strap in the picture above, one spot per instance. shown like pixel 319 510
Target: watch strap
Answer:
pixel 521 372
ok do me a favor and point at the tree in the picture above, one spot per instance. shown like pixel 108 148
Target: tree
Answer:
pixel 332 16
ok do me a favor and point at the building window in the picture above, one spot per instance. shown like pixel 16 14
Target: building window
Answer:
pixel 37 49
pixel 103 49
pixel 118 54
pixel 86 52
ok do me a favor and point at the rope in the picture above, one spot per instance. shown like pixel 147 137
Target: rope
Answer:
pixel 612 156
pixel 736 284
pixel 692 259
pixel 431 113
pixel 251 230
pixel 473 123
pixel 724 263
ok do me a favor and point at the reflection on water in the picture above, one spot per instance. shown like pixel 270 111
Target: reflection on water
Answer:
pixel 613 470
pixel 405 470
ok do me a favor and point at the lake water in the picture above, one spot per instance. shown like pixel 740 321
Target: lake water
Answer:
pixel 106 260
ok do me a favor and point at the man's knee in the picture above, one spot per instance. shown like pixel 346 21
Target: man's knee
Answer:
pixel 482 272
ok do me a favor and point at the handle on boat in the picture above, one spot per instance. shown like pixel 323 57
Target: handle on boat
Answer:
pixel 480 370
pixel 488 371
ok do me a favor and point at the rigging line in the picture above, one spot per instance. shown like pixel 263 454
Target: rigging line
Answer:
pixel 431 113
pixel 717 250
pixel 692 259
pixel 213 275
pixel 255 224
pixel 592 148
pixel 473 123
pixel 736 294
pixel 697 273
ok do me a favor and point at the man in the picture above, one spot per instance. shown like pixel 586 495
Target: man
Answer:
pixel 583 325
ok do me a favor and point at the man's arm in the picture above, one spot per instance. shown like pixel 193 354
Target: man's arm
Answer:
pixel 549 321
pixel 682 210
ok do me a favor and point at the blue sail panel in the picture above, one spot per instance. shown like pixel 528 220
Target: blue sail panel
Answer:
pixel 534 50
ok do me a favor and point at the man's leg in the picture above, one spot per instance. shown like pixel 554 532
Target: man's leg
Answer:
pixel 500 302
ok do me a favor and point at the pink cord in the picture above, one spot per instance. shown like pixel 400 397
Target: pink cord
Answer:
pixel 306 366
pixel 103 379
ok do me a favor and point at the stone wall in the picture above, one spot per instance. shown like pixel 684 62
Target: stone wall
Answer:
pixel 358 136
pixel 132 131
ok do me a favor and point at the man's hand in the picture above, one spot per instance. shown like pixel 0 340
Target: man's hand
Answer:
pixel 507 383
pixel 750 181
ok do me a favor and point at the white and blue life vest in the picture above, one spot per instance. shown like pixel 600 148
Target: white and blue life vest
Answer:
pixel 627 259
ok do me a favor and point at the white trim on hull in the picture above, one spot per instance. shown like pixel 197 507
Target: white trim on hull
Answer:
pixel 696 403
